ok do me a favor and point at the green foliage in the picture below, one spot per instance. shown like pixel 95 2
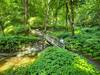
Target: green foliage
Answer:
pixel 35 22
pixel 87 42
pixel 59 34
pixel 14 43
pixel 9 30
pixel 52 13
pixel 56 61
pixel 11 10
pixel 21 29
pixel 16 30
pixel 88 13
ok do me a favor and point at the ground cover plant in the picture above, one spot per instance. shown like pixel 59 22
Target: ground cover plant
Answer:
pixel 56 61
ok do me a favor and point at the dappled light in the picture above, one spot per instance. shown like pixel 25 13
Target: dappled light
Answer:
pixel 77 31
pixel 15 62
pixel 9 29
pixel 83 65
pixel 32 20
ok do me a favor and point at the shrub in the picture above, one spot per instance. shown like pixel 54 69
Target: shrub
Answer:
pixel 87 42
pixel 56 61
pixel 13 43
pixel 87 14
pixel 16 29
pixel 21 29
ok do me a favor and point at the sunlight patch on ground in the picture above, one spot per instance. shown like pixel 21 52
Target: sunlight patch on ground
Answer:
pixel 83 65
pixel 15 62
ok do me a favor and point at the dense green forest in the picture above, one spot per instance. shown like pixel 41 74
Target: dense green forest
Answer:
pixel 49 37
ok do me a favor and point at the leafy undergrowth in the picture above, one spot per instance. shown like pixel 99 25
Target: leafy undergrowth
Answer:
pixel 14 43
pixel 56 61
pixel 86 40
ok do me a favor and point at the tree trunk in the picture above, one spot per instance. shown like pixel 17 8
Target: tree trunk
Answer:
pixel 46 15
pixel 67 11
pixel 46 21
pixel 2 28
pixel 25 11
pixel 70 16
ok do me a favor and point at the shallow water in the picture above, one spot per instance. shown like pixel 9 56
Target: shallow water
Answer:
pixel 15 62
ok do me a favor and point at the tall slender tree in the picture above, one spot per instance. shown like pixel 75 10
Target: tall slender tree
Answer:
pixel 46 15
pixel 25 11
pixel 70 15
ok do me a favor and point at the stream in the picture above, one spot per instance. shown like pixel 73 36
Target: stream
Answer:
pixel 15 61
pixel 50 41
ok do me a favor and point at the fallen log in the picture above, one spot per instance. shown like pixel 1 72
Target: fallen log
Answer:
pixel 4 56
pixel 7 54
pixel 50 39
pixel 34 50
